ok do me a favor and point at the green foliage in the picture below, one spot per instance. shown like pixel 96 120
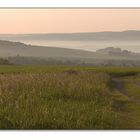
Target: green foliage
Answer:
pixel 60 97
pixel 4 61
pixel 57 101
pixel 113 71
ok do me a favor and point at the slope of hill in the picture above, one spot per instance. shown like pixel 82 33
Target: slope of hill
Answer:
pixel 21 53
pixel 8 48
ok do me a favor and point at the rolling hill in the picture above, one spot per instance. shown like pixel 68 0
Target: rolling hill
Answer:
pixel 8 48
pixel 106 56
pixel 83 36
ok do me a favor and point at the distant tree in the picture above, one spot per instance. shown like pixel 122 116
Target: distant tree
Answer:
pixel 4 61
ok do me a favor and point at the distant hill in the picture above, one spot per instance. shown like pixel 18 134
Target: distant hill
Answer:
pixel 91 41
pixel 107 35
pixel 20 53
pixel 109 50
pixel 9 48
pixel 116 51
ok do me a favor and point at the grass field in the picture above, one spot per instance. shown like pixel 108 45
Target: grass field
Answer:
pixel 60 97
pixel 114 71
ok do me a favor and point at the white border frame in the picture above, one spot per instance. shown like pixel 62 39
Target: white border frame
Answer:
pixel 69 3
pixel 70 135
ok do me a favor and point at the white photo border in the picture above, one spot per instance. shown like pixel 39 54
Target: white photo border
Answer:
pixel 70 135
pixel 69 3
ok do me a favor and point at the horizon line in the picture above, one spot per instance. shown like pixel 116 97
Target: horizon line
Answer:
pixel 131 30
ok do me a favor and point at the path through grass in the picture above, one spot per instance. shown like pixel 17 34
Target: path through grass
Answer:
pixel 45 97
pixel 129 86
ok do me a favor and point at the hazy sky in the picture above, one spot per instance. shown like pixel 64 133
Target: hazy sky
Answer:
pixel 68 20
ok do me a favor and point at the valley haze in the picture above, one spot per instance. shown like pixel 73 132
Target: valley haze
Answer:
pixel 87 48
pixel 91 41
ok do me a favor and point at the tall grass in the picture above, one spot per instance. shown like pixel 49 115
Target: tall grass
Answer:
pixel 62 100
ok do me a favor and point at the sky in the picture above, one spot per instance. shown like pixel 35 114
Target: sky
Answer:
pixel 20 21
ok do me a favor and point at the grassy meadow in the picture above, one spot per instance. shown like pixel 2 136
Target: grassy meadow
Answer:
pixel 62 97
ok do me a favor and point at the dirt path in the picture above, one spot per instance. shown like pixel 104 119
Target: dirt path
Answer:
pixel 137 84
pixel 134 104
pixel 119 85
